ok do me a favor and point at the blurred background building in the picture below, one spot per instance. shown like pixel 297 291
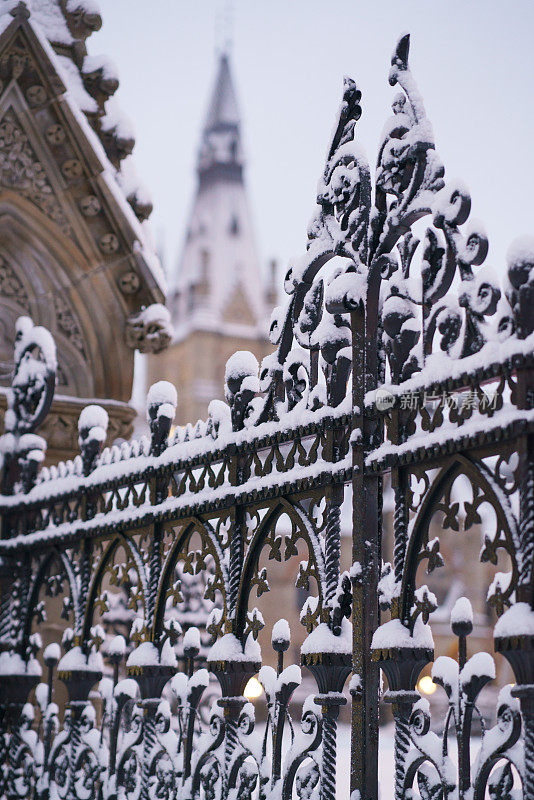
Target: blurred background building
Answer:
pixel 218 296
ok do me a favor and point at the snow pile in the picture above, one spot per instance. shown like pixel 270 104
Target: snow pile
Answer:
pixel 462 612
pixel 221 420
pixel 480 665
pixel 516 621
pixel 521 252
pixel 394 634
pixel 281 634
pixel 322 640
pixel 147 654
pixel 92 425
pixel 347 287
pixel 162 400
pixel 13 664
pixel 126 688
pixel 101 63
pixel 240 367
pixel 28 335
pixel 162 393
pixel 52 653
pixel 274 685
pixel 75 660
pixel 117 647
pixel 228 648
pixel 93 416
pixel 191 640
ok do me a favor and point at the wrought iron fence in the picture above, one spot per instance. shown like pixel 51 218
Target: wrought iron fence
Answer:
pixel 394 356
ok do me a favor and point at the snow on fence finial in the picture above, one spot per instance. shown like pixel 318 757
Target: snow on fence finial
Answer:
pixel 162 400
pixel 32 392
pixel 462 617
pixel 241 385
pixel 219 419
pixel 281 635
pixel 520 293
pixel 92 429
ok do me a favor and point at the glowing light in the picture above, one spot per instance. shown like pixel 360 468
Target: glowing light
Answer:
pixel 253 689
pixel 426 685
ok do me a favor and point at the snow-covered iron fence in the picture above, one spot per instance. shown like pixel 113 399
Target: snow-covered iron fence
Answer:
pixel 395 360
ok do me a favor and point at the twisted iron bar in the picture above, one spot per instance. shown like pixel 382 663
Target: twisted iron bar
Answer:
pixel 328 777
pixel 332 549
pixel 401 747
pixel 526 517
pixel 237 549
pixel 75 739
pixel 154 573
pixel 400 528
pixel 231 745
pixel 149 744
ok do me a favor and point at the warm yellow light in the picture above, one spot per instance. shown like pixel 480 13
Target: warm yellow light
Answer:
pixel 426 685
pixel 253 689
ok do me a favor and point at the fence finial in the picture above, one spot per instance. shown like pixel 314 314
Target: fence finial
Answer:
pixel 162 400
pixel 92 429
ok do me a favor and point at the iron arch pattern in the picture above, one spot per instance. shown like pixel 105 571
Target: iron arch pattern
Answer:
pixel 401 385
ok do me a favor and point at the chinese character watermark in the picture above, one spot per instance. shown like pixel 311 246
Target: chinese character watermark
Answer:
pixel 469 400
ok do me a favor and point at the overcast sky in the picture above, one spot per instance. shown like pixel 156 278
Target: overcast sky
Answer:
pixel 473 61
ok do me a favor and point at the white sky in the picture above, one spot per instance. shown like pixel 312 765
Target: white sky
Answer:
pixel 473 61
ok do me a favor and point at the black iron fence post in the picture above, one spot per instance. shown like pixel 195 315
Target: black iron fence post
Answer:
pixel 365 572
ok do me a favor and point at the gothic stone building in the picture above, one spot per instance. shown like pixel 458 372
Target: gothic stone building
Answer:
pixel 218 299
pixel 75 249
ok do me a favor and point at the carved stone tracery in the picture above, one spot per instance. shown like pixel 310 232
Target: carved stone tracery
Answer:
pixel 11 286
pixel 20 169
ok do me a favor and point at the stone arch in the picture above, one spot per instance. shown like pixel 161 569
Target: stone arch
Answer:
pixel 52 270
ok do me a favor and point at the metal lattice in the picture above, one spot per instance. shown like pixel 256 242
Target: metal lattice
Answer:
pixel 397 360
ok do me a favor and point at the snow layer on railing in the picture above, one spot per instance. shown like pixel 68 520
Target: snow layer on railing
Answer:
pixel 174 504
pixel 449 433
pixel 116 462
pixel 440 367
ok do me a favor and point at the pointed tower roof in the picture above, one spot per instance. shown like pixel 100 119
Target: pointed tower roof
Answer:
pixel 223 110
pixel 220 153
pixel 220 260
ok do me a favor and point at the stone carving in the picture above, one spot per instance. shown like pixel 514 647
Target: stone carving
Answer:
pixel 68 324
pixel 129 282
pixel 16 60
pixel 20 169
pixel 11 285
pixel 72 169
pixel 55 134
pixel 36 95
pixel 149 331
pixel 109 243
pixel 90 205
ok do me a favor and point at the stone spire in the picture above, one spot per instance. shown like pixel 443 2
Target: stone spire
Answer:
pixel 220 154
pixel 219 285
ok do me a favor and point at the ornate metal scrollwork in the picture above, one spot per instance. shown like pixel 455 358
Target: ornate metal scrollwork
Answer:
pixel 156 547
